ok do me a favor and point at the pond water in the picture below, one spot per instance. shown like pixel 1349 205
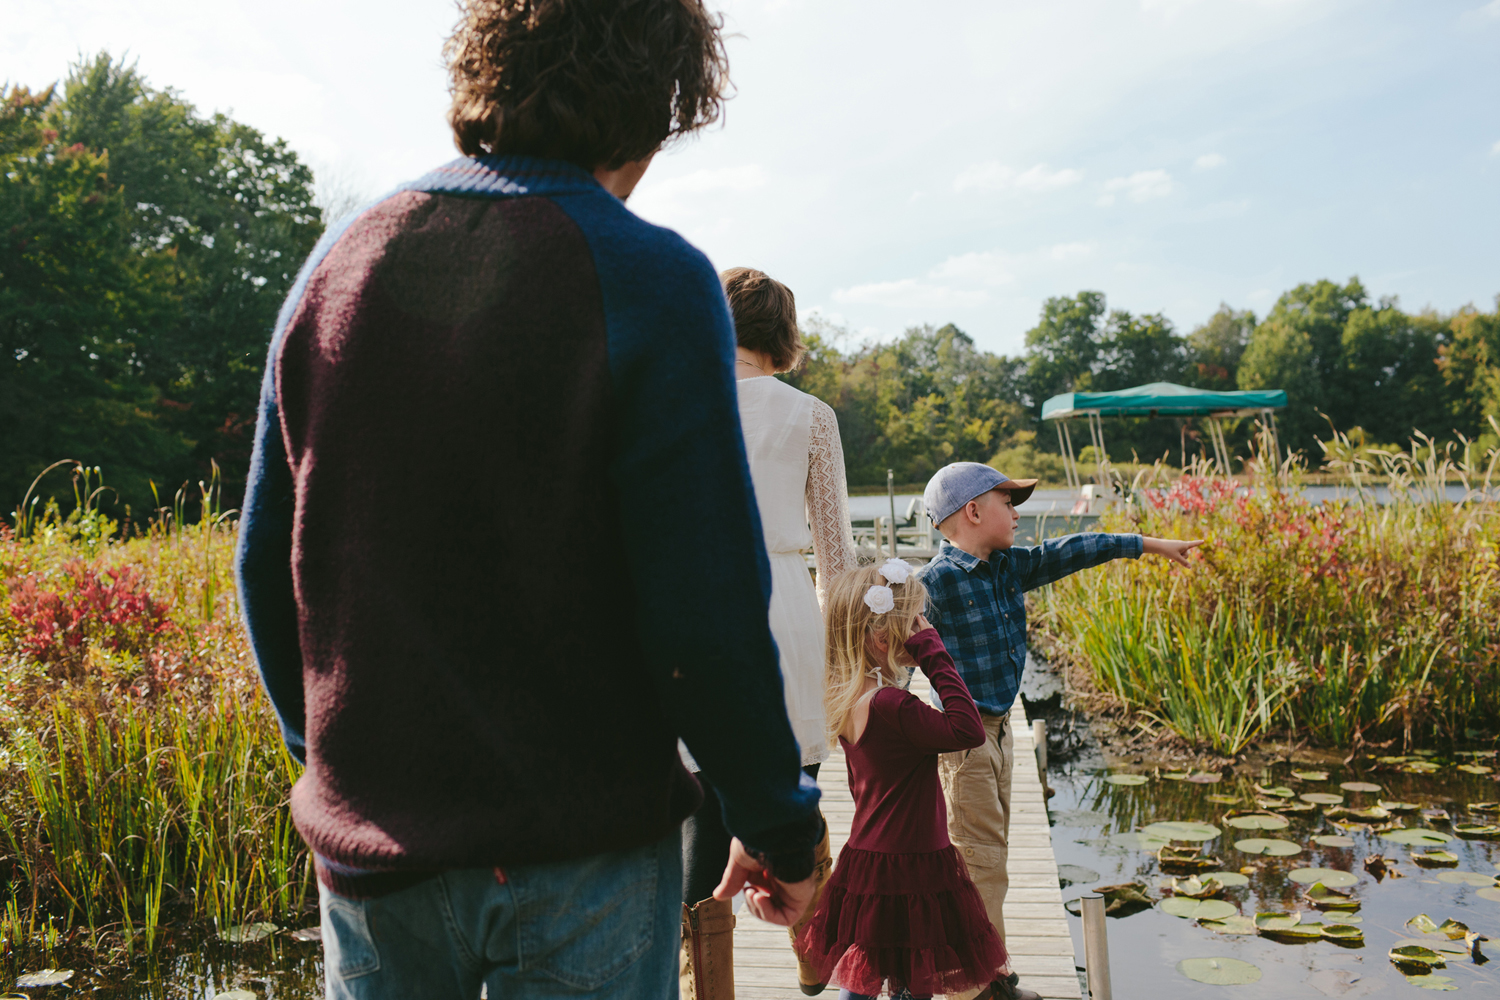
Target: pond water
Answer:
pixel 1100 829
pixel 277 968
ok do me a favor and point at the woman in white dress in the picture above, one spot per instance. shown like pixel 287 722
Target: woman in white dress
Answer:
pixel 797 465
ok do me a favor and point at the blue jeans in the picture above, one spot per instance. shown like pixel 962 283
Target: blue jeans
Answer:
pixel 601 928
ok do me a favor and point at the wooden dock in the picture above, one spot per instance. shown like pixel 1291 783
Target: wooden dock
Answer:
pixel 1041 948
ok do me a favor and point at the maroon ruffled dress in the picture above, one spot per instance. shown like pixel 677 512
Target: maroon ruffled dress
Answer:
pixel 900 907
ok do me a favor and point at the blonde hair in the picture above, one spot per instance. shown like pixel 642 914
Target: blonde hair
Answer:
pixel 851 624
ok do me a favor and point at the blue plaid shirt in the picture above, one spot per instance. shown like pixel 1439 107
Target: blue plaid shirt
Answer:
pixel 978 608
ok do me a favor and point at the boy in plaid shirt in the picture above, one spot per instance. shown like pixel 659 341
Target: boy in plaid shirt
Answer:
pixel 976 586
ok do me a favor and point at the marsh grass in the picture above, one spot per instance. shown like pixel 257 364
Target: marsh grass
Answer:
pixel 142 774
pixel 1342 623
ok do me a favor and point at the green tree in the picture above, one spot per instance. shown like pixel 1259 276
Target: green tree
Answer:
pixel 1063 348
pixel 1214 349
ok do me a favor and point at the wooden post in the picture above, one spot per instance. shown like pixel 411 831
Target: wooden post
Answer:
pixel 1095 945
pixel 890 490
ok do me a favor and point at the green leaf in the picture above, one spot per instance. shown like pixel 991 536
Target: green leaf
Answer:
pixel 1438 942
pixel 1256 821
pixel 1126 779
pixel 1182 831
pixel 1453 929
pixel 1359 786
pixel 1428 982
pixel 1422 924
pixel 1477 831
pixel 1230 925
pixel 1333 840
pixel 1224 800
pixel 1484 807
pixel 245 933
pixel 1419 955
pixel 1124 899
pixel 1325 898
pixel 1465 878
pixel 1193 887
pixel 1269 847
pixel 1330 877
pixel 1492 894
pixel 1279 792
pixel 1322 798
pixel 1398 807
pixel 1416 836
pixel 1435 859
pixel 1476 768
pixel 1311 775
pixel 1206 778
pixel 1197 909
pixel 1277 921
pixel 1219 971
pixel 1175 775
pixel 1228 880
pixel 1343 932
pixel 236 995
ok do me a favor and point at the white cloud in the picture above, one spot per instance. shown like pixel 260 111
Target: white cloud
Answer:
pixel 1209 161
pixel 1495 149
pixel 735 180
pixel 983 268
pixel 909 293
pixel 995 176
pixel 1492 9
pixel 1143 185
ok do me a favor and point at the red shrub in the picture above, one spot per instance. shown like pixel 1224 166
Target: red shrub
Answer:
pixel 111 608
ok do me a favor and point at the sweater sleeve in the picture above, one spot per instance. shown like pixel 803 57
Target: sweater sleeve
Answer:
pixel 263 569
pixel 692 548
pixel 957 726
pixel 828 499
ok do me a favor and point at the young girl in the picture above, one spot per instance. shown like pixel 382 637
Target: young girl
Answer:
pixel 900 908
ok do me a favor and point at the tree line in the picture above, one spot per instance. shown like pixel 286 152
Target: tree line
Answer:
pixel 146 248
pixel 1347 361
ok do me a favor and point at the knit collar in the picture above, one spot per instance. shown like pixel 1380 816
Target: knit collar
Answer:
pixel 506 176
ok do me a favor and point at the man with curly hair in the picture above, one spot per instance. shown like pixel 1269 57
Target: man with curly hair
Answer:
pixel 488 706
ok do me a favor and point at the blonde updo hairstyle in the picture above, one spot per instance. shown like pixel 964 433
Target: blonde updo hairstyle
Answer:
pixel 851 626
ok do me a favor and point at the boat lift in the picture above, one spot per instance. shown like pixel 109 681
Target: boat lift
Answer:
pixel 1157 399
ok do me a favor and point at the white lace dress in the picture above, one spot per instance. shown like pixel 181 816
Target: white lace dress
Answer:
pixel 797 465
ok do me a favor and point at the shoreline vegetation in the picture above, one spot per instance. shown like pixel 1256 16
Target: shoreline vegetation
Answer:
pixel 1345 625
pixel 144 786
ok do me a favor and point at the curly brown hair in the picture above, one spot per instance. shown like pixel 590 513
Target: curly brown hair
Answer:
pixel 765 316
pixel 599 83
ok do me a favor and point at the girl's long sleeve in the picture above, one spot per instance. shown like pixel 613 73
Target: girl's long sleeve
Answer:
pixel 827 497
pixel 958 726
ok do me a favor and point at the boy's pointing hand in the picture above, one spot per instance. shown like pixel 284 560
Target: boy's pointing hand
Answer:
pixel 1169 548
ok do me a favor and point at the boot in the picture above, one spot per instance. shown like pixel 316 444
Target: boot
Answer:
pixel 707 951
pixel 807 977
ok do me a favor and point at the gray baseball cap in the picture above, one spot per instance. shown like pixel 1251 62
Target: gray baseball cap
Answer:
pixel 954 485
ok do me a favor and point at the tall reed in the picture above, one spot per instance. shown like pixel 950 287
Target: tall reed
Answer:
pixel 142 774
pixel 1369 619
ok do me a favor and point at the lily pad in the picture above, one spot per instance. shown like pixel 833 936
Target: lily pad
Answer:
pixel 1176 775
pixel 1269 847
pixel 1277 921
pixel 307 934
pixel 1435 859
pixel 1437 942
pixel 1279 792
pixel 1359 786
pixel 1228 880
pixel 1422 924
pixel 1454 929
pixel 1230 925
pixel 1477 831
pixel 1333 840
pixel 1430 982
pixel 1224 800
pixel 1076 874
pixel 1197 909
pixel 1081 817
pixel 1343 932
pixel 245 933
pixel 1206 778
pixel 1369 813
pixel 1492 894
pixel 1417 955
pixel 1415 836
pixel 1330 877
pixel 1398 807
pixel 1219 971
pixel 1435 815
pixel 236 995
pixel 1476 769
pixel 1484 807
pixel 1322 798
pixel 1324 898
pixel 43 977
pixel 1126 779
pixel 1257 821
pixel 1311 775
pixel 1287 806
pixel 1132 840
pixel 1465 878
pixel 1182 831
pixel 1124 899
pixel 1184 859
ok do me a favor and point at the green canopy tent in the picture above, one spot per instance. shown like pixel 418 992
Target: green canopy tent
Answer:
pixel 1158 399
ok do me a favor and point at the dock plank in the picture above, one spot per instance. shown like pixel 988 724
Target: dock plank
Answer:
pixel 1039 941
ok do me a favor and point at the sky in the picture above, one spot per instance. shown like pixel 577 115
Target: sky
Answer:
pixel 949 160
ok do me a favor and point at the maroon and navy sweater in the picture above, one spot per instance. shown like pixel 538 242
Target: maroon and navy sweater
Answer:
pixel 500 547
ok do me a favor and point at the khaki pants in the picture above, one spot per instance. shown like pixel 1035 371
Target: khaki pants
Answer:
pixel 977 785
